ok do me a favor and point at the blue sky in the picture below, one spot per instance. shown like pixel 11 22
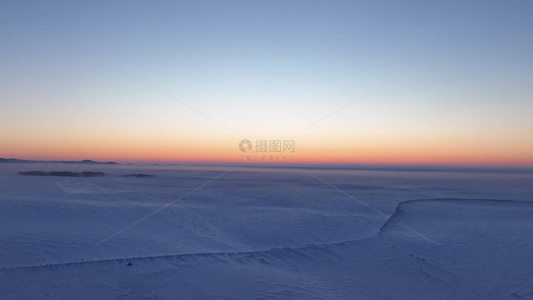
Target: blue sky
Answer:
pixel 268 68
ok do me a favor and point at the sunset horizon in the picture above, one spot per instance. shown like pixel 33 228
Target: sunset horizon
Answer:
pixel 346 88
pixel 266 149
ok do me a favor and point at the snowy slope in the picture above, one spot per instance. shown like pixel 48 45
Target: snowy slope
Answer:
pixel 267 234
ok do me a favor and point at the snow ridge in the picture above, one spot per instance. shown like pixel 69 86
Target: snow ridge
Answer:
pixel 401 209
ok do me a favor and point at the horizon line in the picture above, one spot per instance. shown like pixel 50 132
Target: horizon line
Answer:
pixel 361 166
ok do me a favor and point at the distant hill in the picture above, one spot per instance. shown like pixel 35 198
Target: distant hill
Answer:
pixel 81 162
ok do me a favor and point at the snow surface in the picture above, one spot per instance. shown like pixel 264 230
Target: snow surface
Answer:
pixel 264 233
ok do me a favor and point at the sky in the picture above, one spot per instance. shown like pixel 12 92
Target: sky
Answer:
pixel 349 82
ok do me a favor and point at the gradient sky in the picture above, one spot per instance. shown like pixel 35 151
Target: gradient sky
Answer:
pixel 104 80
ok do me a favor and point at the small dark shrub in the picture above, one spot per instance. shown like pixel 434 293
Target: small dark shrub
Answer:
pixel 65 174
pixel 137 175
pixel 34 173
pixel 92 174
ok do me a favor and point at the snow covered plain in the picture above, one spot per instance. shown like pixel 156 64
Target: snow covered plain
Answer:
pixel 265 233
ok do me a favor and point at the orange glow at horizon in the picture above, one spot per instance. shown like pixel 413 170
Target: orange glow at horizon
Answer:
pixel 307 151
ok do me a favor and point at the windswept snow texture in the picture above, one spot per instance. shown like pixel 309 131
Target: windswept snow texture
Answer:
pixel 258 233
